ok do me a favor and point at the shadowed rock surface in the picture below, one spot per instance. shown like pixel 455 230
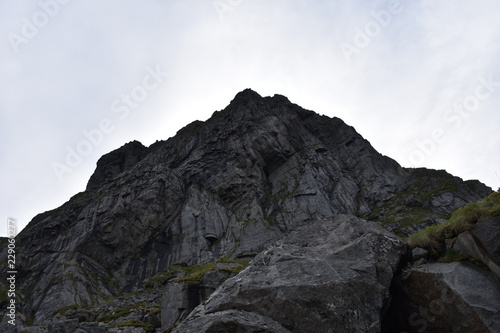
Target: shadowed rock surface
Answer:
pixel 452 297
pixel 228 187
pixel 482 242
pixel 327 276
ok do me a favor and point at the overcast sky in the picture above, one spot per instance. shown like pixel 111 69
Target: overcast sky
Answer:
pixel 419 79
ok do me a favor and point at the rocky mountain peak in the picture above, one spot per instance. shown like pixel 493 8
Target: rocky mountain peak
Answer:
pixel 246 96
pixel 262 180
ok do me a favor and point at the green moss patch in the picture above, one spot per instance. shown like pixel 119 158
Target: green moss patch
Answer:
pixel 136 323
pixel 194 274
pixel 433 238
pixel 118 314
pixel 414 204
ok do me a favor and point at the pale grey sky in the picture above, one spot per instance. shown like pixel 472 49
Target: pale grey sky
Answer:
pixel 419 79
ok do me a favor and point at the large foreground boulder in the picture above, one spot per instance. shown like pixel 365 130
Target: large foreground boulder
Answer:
pixel 328 276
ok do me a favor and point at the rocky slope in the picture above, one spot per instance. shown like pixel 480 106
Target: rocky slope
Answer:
pixel 169 218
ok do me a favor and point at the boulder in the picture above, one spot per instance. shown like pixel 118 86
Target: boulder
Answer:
pixel 447 297
pixel 487 235
pixel 329 275
pixel 482 242
pixel 419 253
pixel 232 321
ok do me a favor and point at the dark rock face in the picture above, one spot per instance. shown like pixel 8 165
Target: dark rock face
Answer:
pixel 67 326
pixel 428 199
pixel 111 165
pixel 328 276
pixel 180 299
pixel 482 242
pixel 232 321
pixel 487 234
pixel 226 187
pixel 454 297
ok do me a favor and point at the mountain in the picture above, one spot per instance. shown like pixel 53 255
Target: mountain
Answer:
pixel 254 220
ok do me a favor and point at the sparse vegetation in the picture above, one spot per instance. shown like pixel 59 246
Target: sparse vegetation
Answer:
pixel 432 238
pixel 154 310
pixel 118 314
pixel 194 274
pixel 29 321
pixel 406 271
pixel 64 309
pixel 136 323
pixel 452 255
pixel 413 206
pixel 162 277
pixel 171 328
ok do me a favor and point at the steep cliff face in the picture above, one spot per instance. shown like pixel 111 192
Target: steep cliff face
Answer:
pixel 226 187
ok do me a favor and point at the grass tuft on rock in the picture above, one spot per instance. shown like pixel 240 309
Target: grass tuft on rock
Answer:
pixel 433 238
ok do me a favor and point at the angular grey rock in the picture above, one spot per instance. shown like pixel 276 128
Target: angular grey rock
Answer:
pixel 179 300
pixel 419 253
pixel 325 276
pixel 487 234
pixel 32 329
pixel 120 160
pixel 420 262
pixel 67 326
pixel 93 329
pixel 126 330
pixel 482 242
pixel 454 297
pixel 232 321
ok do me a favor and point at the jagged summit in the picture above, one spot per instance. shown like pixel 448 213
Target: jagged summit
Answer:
pixel 247 105
pixel 248 95
pixel 245 96
pixel 224 190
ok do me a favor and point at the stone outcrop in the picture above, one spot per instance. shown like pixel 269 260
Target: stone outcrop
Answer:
pixel 448 297
pixel 120 160
pixel 226 187
pixel 329 276
pixel 482 242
